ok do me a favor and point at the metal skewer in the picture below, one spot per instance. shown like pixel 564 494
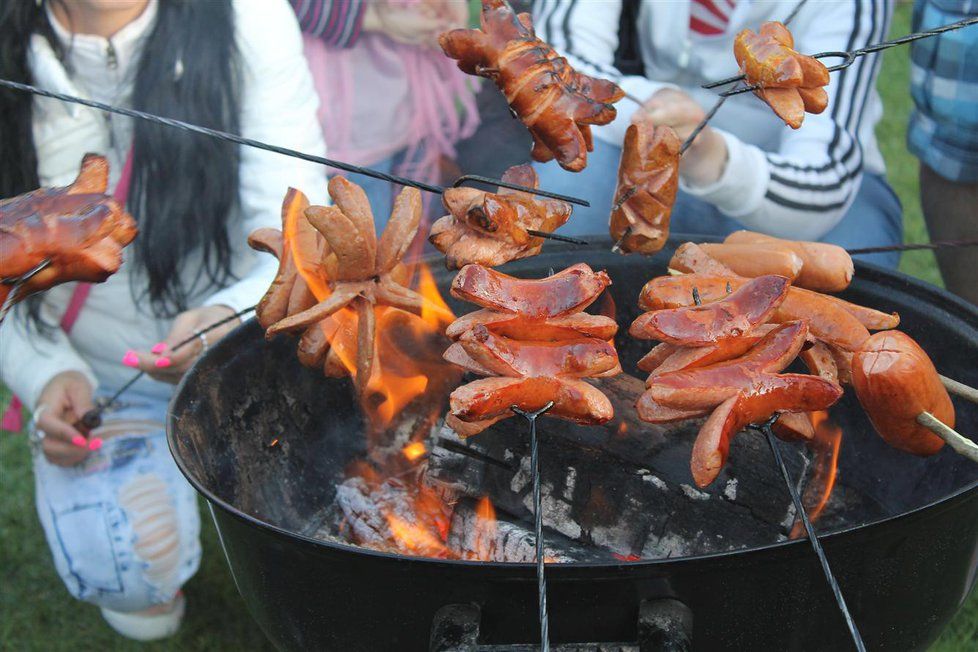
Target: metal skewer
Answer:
pixel 937 244
pixel 850 57
pixel 93 418
pixel 249 142
pixel 531 417
pixel 17 283
pixel 840 600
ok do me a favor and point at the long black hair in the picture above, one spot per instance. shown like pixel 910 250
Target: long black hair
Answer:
pixel 184 185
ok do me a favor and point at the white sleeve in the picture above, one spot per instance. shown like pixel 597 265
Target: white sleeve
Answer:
pixel 804 188
pixel 278 106
pixel 29 360
pixel 587 34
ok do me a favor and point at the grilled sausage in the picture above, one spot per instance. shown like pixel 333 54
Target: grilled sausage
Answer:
pixel 517 327
pixel 707 387
pixel 570 290
pixel 574 400
pixel 648 178
pixel 895 381
pixel 773 393
pixel 506 357
pixel 677 358
pixel 731 316
pixel 753 260
pixel 827 319
pixel 825 267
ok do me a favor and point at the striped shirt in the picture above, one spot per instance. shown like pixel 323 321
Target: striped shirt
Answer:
pixel 790 183
pixel 335 22
pixel 710 17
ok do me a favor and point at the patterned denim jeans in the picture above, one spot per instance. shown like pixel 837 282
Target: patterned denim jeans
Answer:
pixel 122 526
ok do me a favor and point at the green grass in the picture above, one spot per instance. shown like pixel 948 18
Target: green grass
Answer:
pixel 36 612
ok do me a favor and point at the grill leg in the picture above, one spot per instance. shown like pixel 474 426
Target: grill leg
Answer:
pixel 664 626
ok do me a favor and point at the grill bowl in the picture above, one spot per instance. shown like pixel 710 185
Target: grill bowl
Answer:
pixel 903 575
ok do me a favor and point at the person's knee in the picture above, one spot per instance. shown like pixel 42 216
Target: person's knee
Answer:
pixel 143 559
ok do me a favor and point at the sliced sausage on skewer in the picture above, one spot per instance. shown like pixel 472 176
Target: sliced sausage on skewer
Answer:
pixel 579 324
pixel 774 393
pixel 489 398
pixel 827 319
pixel 707 387
pixel 731 316
pixel 568 291
pixel 580 357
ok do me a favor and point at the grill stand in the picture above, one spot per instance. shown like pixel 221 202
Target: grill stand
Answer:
pixel 664 625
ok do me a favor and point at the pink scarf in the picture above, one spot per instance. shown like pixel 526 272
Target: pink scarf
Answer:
pixel 380 97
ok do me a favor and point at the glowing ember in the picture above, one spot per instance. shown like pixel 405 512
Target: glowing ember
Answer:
pixel 414 451
pixel 620 557
pixel 417 540
pixel 826 444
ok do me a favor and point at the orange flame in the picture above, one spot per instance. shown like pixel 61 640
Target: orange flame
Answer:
pixel 826 444
pixel 414 451
pixel 390 387
pixel 416 539
pixel 485 529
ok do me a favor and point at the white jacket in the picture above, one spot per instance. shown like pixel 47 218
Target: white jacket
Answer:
pixel 789 183
pixel 278 105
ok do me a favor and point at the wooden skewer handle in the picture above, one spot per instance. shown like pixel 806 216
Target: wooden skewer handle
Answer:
pixel 960 389
pixel 961 444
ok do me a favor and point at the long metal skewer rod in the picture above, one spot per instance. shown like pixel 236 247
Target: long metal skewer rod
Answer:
pixel 18 283
pixel 531 417
pixel 249 142
pixel 937 244
pixel 850 57
pixel 93 418
pixel 840 600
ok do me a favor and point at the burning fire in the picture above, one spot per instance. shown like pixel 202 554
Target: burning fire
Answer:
pixel 414 451
pixel 409 339
pixel 485 528
pixel 417 540
pixel 828 440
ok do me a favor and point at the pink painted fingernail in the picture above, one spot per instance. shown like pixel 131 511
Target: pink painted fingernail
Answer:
pixel 162 363
pixel 95 444
pixel 130 359
pixel 158 348
pixel 78 441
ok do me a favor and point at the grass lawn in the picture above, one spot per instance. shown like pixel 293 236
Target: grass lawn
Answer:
pixel 36 612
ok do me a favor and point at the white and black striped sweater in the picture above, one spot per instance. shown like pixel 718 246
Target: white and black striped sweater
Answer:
pixel 795 184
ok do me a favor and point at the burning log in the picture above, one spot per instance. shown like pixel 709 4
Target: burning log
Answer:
pixel 478 533
pixel 392 516
pixel 625 485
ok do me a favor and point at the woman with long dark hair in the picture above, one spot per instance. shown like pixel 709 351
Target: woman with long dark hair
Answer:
pixel 121 522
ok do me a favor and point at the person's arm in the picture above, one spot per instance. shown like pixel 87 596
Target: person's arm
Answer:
pixel 804 188
pixel 587 34
pixel 29 360
pixel 278 105
pixel 337 23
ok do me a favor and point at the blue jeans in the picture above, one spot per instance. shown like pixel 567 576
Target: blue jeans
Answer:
pixel 122 526
pixel 874 219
